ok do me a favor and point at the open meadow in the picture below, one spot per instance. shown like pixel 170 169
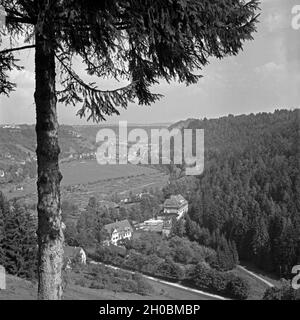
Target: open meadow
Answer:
pixel 20 289
pixel 84 179
pixel 89 171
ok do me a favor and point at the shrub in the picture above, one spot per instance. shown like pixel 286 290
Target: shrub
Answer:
pixel 273 294
pixel 238 288
pixel 151 264
pixel 284 292
pixel 221 282
pixel 82 282
pixel 129 286
pixel 169 269
pixel 135 261
pixel 143 286
pixel 97 285
pixel 202 277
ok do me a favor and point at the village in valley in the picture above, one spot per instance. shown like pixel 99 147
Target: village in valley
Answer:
pixel 173 209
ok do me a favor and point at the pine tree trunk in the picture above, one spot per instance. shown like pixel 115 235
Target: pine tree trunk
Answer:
pixel 50 235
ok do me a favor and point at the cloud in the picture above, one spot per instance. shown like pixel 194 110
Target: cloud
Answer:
pixel 270 69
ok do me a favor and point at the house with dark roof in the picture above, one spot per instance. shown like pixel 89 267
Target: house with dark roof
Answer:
pixel 119 230
pixel 175 206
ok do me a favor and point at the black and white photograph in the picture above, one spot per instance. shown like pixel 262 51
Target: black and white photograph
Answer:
pixel 149 152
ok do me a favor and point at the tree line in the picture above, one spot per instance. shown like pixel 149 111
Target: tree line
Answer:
pixel 18 243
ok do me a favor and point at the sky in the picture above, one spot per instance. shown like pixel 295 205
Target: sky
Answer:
pixel 263 77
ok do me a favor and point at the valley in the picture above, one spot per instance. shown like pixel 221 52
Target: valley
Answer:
pixel 238 211
pixel 83 177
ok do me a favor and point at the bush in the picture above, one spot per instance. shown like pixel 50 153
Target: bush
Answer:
pixel 238 288
pixel 169 269
pixel 273 294
pixel 82 282
pixel 151 264
pixel 220 282
pixel 143 286
pixel 135 261
pixel 97 285
pixel 284 292
pixel 203 276
pixel 129 286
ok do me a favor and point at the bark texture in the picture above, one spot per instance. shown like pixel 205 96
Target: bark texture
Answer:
pixel 50 235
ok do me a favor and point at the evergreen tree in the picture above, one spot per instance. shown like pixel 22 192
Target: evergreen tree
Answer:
pixel 261 243
pixel 12 246
pixel 178 227
pixel 20 245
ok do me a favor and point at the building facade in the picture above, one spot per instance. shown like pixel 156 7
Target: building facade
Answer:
pixel 74 255
pixel 119 230
pixel 175 206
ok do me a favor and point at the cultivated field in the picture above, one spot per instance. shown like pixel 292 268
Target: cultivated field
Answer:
pixel 84 179
pixel 89 171
pixel 79 194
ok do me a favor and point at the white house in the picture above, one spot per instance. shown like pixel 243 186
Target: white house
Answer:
pixel 74 255
pixel 118 230
pixel 2 278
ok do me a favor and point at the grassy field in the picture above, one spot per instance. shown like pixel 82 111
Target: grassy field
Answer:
pixel 257 287
pixel 83 179
pixel 19 289
pixel 89 171
pixel 265 275
pixel 80 194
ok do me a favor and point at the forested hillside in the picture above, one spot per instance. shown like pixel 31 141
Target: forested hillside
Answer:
pixel 250 189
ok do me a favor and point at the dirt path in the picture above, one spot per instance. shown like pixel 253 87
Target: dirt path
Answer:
pixel 269 284
pixel 201 293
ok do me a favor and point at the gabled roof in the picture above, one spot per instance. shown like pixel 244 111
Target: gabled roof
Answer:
pixel 175 201
pixel 120 226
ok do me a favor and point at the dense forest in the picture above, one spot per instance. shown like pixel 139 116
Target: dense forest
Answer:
pixel 18 243
pixel 249 192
